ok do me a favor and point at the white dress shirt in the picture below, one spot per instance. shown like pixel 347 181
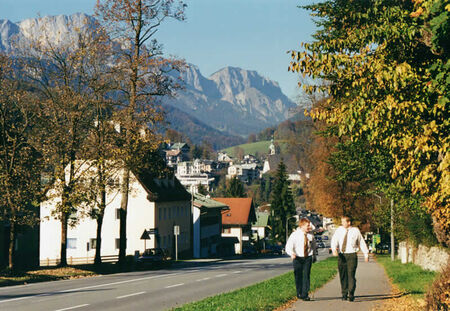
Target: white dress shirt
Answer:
pixel 295 244
pixel 355 241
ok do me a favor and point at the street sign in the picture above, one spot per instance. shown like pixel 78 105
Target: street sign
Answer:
pixel 145 235
pixel 176 230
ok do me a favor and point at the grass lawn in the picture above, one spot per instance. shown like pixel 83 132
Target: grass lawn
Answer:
pixel 408 277
pixel 266 295
pixel 262 147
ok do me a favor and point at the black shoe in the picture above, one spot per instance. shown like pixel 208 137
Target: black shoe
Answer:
pixel 351 298
pixel 344 297
pixel 306 298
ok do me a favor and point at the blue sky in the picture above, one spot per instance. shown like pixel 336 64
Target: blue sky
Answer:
pixel 251 34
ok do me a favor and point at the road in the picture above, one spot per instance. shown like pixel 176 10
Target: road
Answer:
pixel 149 290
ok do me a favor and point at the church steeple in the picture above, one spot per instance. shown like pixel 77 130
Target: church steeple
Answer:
pixel 272 149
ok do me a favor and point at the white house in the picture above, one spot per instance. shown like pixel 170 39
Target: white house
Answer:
pixel 237 222
pixel 245 172
pixel 207 226
pixel 191 174
pixel 155 205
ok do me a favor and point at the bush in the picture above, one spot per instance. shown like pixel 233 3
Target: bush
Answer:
pixel 438 297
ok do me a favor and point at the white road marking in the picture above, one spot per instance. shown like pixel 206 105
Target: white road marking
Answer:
pixel 175 285
pixel 116 283
pixel 75 307
pixel 93 286
pixel 204 279
pixel 237 271
pixel 221 275
pixel 130 295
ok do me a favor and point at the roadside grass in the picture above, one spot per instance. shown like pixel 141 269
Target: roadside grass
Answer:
pixel 8 278
pixel 267 295
pixel 410 278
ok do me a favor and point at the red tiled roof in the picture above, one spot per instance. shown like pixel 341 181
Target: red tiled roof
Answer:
pixel 241 211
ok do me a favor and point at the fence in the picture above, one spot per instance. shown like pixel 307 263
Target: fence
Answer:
pixel 77 260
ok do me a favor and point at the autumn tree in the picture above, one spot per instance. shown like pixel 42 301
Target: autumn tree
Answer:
pixel 382 66
pixel 282 204
pixel 59 74
pixel 143 76
pixel 20 186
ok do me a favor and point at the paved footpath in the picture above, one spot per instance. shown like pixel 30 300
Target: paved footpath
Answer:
pixel 372 287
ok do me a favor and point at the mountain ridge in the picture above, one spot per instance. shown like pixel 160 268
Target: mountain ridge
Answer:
pixel 231 100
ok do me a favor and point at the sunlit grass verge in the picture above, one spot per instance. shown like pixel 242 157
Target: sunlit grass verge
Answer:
pixel 410 278
pixel 42 275
pixel 266 295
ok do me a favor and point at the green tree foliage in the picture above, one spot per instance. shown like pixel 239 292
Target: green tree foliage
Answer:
pixel 235 188
pixel 282 204
pixel 384 66
pixel 202 189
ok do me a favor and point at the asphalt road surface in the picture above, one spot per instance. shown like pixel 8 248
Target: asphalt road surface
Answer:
pixel 146 290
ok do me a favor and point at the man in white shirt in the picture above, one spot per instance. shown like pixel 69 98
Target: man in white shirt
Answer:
pixel 301 246
pixel 345 243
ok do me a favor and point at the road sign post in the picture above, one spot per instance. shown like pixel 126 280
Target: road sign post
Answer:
pixel 176 232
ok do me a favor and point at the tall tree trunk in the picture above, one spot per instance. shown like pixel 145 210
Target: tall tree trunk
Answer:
pixel 63 255
pixel 98 247
pixel 123 216
pixel 12 249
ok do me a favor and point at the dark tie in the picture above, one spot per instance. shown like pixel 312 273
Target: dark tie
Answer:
pixel 305 246
pixel 344 243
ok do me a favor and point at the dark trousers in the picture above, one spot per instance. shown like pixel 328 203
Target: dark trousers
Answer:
pixel 347 264
pixel 302 271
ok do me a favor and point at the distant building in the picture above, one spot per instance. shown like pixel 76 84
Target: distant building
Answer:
pixel 245 172
pixel 293 169
pixel 249 159
pixel 237 222
pixel 191 174
pixel 260 225
pixel 207 226
pixel 178 152
pixel 224 157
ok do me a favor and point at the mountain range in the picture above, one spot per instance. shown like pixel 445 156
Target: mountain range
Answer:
pixel 230 102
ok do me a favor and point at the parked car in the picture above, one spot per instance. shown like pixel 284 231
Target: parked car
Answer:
pixel 153 258
pixel 320 245
pixel 272 249
pixel 249 250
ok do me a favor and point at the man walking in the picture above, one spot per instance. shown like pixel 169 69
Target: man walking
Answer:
pixel 345 243
pixel 301 247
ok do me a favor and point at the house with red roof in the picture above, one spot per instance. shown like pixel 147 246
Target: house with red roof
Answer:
pixel 237 221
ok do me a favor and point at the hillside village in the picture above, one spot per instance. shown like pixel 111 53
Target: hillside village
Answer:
pixel 207 226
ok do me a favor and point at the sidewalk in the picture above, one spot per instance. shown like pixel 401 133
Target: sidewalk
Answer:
pixel 372 287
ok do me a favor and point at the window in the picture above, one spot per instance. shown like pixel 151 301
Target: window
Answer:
pixel 165 213
pixel 226 230
pixel 170 212
pixel 178 211
pixel 93 243
pixel 160 213
pixel 117 213
pixel 71 243
pixel 117 243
